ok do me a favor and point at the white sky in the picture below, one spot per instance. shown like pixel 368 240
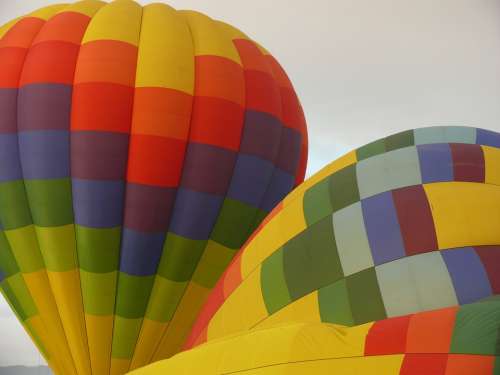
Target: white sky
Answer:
pixel 363 69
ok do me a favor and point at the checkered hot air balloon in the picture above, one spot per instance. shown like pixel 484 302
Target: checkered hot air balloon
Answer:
pixel 139 148
pixel 397 244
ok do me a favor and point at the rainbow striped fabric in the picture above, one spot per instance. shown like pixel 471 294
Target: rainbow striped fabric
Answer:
pixel 139 148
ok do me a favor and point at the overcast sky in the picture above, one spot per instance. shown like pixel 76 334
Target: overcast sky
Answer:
pixel 362 68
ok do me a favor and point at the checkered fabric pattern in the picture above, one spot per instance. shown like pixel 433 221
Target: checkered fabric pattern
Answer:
pixel 139 148
pixel 405 224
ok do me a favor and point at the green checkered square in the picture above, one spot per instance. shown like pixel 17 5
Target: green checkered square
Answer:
pixel 50 201
pixel 311 259
pixel 14 208
pixel 344 188
pixel 125 333
pixel 273 283
pixel 98 248
pixel 477 328
pixel 371 149
pixel 132 295
pixel 165 297
pixel 180 257
pixel 234 223
pixel 98 292
pixel 364 295
pixel 334 304
pixel 8 262
pixel 399 140
pixel 317 203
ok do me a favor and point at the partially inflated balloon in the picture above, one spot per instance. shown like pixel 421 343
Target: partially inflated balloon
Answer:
pixel 459 340
pixel 139 148
pixel 405 224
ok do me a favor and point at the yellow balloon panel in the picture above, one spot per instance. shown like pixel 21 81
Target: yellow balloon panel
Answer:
pixel 456 340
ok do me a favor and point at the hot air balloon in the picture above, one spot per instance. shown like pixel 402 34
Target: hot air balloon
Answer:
pixel 403 225
pixel 458 340
pixel 139 148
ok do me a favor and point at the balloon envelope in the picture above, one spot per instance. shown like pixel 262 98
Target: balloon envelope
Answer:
pixel 405 224
pixel 139 148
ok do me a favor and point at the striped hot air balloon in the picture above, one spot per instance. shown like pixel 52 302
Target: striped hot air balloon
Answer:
pixel 139 148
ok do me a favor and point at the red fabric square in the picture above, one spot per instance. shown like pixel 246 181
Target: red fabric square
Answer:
pixel 262 93
pixel 102 107
pixel 415 220
pixel 251 56
pixel 11 66
pixel 65 26
pixel 216 122
pixel 292 114
pixel 387 336
pixel 424 364
pixel 468 162
pixel 155 160
pixel 22 33
pixel 219 77
pixel 490 257
pixel 50 62
pixel 279 73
